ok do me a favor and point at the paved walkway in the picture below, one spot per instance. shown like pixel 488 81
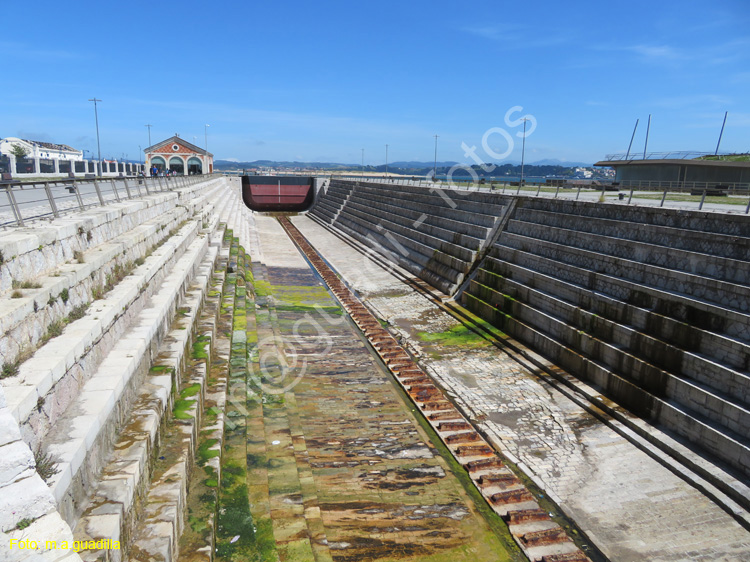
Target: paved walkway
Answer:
pixel 338 468
pixel 632 507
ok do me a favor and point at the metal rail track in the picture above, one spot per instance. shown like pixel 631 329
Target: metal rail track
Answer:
pixel 538 536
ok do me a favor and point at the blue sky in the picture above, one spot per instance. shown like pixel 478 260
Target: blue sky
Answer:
pixel 319 81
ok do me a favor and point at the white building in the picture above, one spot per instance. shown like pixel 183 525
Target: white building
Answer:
pixel 50 160
pixel 41 157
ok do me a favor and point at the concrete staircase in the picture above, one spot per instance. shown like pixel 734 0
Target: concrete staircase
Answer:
pixel 435 234
pixel 650 305
pixel 109 329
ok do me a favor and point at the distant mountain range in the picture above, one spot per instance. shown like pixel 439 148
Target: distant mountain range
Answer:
pixel 393 166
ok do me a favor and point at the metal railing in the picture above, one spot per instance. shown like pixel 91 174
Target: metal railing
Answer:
pixel 675 155
pixel 683 195
pixel 50 199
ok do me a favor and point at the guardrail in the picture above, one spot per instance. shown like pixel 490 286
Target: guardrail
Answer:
pixel 25 201
pixel 673 192
pixel 674 155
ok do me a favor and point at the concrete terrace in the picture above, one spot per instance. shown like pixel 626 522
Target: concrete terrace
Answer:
pixel 178 378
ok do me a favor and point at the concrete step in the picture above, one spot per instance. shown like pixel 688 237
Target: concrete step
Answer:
pixel 710 359
pixel 24 321
pixel 415 251
pixel 664 256
pixel 435 206
pixel 473 201
pixel 392 213
pixel 710 244
pixel 48 382
pixel 430 257
pixel 422 216
pixel 698 431
pixel 382 220
pixel 119 504
pixel 418 263
pixel 325 210
pixel 33 252
pixel 613 349
pixel 189 453
pixel 383 246
pixel 83 435
pixel 703 315
pixel 726 224
pixel 703 289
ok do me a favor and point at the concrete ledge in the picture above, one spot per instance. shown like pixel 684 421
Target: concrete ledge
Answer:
pixel 681 423
pixel 663 256
pixel 706 316
pixel 710 291
pixel 554 318
pixel 708 243
pixel 82 441
pixel 393 213
pixel 596 316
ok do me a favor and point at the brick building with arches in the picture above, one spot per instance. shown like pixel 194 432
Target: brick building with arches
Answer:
pixel 176 154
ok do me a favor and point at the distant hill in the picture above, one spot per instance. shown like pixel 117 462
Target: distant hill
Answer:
pixel 231 165
pixel 413 164
pixel 554 162
pixel 414 168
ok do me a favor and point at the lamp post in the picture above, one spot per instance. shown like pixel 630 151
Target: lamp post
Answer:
pixel 205 132
pixel 98 145
pixel 523 149
pixel 149 133
pixel 434 170
pixel 363 163
pixel 386 161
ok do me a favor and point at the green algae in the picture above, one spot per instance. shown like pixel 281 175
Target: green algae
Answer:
pixel 458 336
pixel 191 390
pixel 199 347
pixel 181 408
pixel 205 451
pixel 262 288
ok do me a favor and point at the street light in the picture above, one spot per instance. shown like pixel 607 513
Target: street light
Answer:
pixel 434 170
pixel 523 149
pixel 98 146
pixel 386 161
pixel 363 163
pixel 205 132
pixel 149 133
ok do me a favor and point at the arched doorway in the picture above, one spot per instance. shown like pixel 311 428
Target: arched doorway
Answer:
pixel 177 164
pixel 159 163
pixel 195 166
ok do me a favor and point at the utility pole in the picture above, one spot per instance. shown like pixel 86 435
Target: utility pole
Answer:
pixel 205 132
pixel 434 170
pixel 98 145
pixel 523 148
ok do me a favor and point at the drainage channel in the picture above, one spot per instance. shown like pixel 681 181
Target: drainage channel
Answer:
pixel 531 526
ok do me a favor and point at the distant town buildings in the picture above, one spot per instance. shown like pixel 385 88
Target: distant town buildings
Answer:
pixel 177 155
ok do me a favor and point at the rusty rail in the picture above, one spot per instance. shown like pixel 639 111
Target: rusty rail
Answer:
pixel 533 529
